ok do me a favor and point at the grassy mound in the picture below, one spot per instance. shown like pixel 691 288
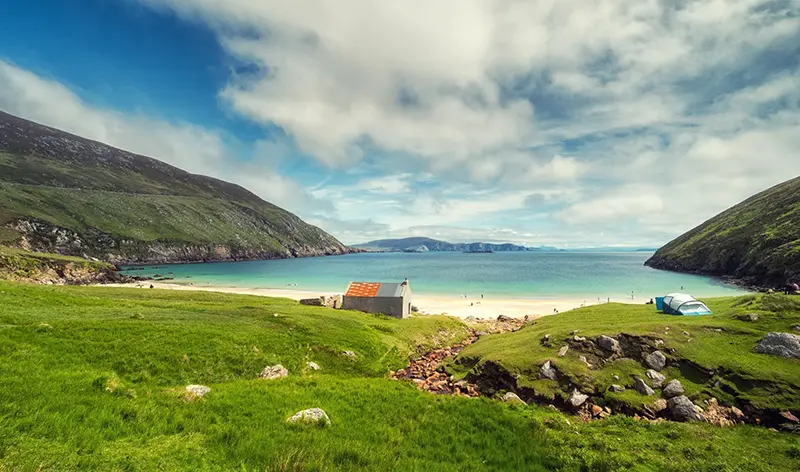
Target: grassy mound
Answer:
pixel 16 264
pixel 711 355
pixel 92 379
pixel 757 240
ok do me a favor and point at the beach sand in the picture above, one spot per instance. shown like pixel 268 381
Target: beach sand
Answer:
pixel 427 304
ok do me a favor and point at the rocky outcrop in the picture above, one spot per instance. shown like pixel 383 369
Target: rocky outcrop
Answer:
pixel 673 389
pixel 51 269
pixel 780 344
pixel 312 416
pixel 273 372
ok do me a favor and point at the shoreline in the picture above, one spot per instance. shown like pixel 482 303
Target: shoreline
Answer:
pixel 427 304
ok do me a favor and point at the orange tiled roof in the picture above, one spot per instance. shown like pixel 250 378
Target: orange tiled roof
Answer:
pixel 363 289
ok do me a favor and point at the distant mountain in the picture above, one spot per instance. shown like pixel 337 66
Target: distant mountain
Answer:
pixel 417 243
pixel 757 240
pixel 70 195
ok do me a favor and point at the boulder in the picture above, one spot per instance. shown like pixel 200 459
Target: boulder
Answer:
pixel 682 409
pixel 656 360
pixel 660 405
pixel 780 344
pixel 609 344
pixel 673 389
pixel 503 318
pixel 198 391
pixel 577 398
pixel 313 365
pixel 585 361
pixel 748 317
pixel 596 410
pixel 563 351
pixel 349 354
pixel 640 386
pixel 616 388
pixel 616 377
pixel 548 371
pixel 655 378
pixel 312 416
pixel 578 339
pixel 273 372
pixel 512 398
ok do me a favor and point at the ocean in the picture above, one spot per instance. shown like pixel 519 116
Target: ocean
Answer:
pixel 523 275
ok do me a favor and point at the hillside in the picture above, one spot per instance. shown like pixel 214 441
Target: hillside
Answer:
pixel 757 241
pixel 436 245
pixel 64 194
pixel 95 378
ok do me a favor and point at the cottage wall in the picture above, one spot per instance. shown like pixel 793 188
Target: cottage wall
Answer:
pixel 394 306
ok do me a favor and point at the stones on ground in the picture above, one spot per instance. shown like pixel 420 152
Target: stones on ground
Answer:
pixel 673 389
pixel 470 318
pixel 545 341
pixel 787 415
pixel 616 388
pixel 685 333
pixel 748 317
pixel 481 333
pixel 577 398
pixel 349 354
pixel 312 416
pixel 563 351
pixel 503 318
pixel 583 359
pixel 312 365
pixel 197 391
pixel 512 398
pixel 780 344
pixel 655 378
pixel 616 377
pixel 796 327
pixel 579 339
pixel 640 386
pixel 273 372
pixel 548 371
pixel 574 332
pixel 609 344
pixel 656 360
pixel 682 409
pixel 659 405
pixel 596 410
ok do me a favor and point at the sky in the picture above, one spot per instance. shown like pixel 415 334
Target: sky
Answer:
pixel 552 122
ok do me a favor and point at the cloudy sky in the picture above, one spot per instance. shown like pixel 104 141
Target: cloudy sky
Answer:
pixel 556 122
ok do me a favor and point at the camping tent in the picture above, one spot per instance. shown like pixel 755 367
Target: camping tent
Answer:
pixel 684 304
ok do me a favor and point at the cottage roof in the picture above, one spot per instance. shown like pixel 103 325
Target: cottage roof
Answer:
pixel 374 289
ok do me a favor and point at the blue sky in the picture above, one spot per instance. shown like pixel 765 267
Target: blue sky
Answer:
pixel 557 123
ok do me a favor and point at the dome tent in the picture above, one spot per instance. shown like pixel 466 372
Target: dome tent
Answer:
pixel 684 304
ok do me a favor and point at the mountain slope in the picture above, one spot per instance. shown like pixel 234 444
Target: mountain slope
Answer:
pixel 436 245
pixel 757 240
pixel 66 194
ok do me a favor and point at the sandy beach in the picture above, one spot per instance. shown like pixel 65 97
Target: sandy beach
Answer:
pixel 453 306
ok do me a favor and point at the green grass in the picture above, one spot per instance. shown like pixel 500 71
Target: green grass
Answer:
pixel 764 381
pixel 92 379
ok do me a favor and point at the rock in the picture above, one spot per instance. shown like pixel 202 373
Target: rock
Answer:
pixel 198 391
pixel 789 416
pixel 574 332
pixel 780 344
pixel 737 413
pixel 503 318
pixel 685 333
pixel 583 359
pixel 579 339
pixel 312 416
pixel 655 378
pixel 576 398
pixel 512 398
pixel 596 410
pixel 273 372
pixel 796 327
pixel 656 360
pixel 481 333
pixel 548 371
pixel 616 388
pixel 660 405
pixel 616 377
pixel 682 409
pixel 659 342
pixel 349 354
pixel 673 389
pixel 563 351
pixel 313 365
pixel 545 341
pixel 640 386
pixel 470 318
pixel 748 317
pixel 609 344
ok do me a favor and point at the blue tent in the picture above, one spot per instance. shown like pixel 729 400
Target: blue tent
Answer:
pixel 684 304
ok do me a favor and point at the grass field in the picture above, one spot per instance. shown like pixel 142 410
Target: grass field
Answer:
pixel 92 378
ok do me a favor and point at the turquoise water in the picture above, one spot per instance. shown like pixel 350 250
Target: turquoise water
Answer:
pixel 536 275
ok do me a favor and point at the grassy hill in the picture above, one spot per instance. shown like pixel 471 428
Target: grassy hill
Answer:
pixel 65 194
pixel 757 240
pixel 16 264
pixel 93 379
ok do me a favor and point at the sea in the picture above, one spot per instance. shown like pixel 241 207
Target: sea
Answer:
pixel 519 275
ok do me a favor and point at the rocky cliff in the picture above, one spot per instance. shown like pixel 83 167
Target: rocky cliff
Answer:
pixel 64 194
pixel 756 241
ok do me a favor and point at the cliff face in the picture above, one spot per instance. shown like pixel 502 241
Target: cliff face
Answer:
pixel 69 195
pixel 756 241
pixel 54 269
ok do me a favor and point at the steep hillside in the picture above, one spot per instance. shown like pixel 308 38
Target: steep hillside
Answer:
pixel 66 194
pixel 436 245
pixel 757 240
